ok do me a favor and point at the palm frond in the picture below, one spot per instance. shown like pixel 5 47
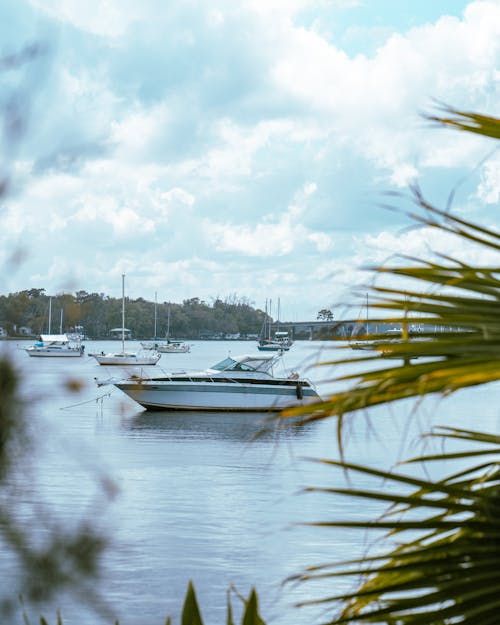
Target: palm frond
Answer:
pixel 468 121
pixel 449 569
pixel 443 569
pixel 459 346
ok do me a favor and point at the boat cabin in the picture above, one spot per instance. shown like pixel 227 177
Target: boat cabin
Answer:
pixel 261 363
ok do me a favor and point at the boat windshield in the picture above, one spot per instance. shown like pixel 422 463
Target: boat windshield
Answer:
pixel 253 364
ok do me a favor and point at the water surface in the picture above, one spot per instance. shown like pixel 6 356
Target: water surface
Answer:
pixel 198 495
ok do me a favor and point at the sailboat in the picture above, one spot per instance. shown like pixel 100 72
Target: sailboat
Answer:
pixel 152 345
pixel 388 338
pixel 281 340
pixel 123 357
pixel 366 343
pixel 169 346
pixel 172 346
pixel 55 345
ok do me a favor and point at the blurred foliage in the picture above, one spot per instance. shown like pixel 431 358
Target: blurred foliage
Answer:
pixel 191 614
pixel 64 559
pixel 39 556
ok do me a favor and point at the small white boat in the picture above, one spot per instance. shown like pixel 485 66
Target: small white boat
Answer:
pixel 280 342
pixel 168 346
pixel 126 358
pixel 242 383
pixel 54 346
pixel 273 345
pixel 173 347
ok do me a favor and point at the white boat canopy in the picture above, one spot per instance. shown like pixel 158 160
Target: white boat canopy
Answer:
pixel 247 363
pixel 54 338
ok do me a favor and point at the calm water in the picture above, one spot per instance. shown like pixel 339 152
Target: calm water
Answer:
pixel 198 496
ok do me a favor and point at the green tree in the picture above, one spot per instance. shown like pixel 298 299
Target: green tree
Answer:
pixel 325 314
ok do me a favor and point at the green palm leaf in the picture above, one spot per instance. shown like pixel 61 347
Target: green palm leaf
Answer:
pixel 444 568
pixel 459 349
pixel 451 569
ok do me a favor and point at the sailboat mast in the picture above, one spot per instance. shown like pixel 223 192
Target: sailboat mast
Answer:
pixel 270 318
pixel 156 303
pixel 123 312
pixel 50 312
pixel 367 315
pixel 60 322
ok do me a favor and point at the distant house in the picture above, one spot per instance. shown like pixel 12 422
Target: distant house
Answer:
pixel 3 333
pixel 116 333
pixel 25 331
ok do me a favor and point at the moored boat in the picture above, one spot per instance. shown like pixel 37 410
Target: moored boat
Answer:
pixel 173 347
pixel 240 383
pixel 167 347
pixel 126 358
pixel 280 342
pixel 55 346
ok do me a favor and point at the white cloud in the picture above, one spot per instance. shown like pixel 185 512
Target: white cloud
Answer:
pixel 237 136
pixel 489 188
pixel 374 102
pixel 274 235
pixel 322 241
pixel 264 239
pixel 423 243
pixel 108 18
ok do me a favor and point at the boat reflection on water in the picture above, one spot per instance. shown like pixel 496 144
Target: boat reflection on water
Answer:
pixel 243 426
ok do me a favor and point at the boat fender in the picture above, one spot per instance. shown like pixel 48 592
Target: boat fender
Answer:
pixel 298 390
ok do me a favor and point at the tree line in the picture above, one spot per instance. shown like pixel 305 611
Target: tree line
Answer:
pixel 28 312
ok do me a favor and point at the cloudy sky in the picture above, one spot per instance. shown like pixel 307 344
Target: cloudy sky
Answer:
pixel 207 149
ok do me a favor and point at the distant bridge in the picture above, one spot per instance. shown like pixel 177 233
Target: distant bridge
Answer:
pixel 342 328
pixel 317 328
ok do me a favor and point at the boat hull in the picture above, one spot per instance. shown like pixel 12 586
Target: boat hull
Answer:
pixel 273 348
pixel 126 359
pixel 214 396
pixel 47 353
pixel 168 349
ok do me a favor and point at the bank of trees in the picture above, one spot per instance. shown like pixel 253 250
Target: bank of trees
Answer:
pixel 97 313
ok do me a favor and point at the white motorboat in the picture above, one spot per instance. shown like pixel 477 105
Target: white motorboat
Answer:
pixel 242 383
pixel 126 358
pixel 55 345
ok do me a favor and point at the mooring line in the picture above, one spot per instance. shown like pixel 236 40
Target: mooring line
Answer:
pixel 88 401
